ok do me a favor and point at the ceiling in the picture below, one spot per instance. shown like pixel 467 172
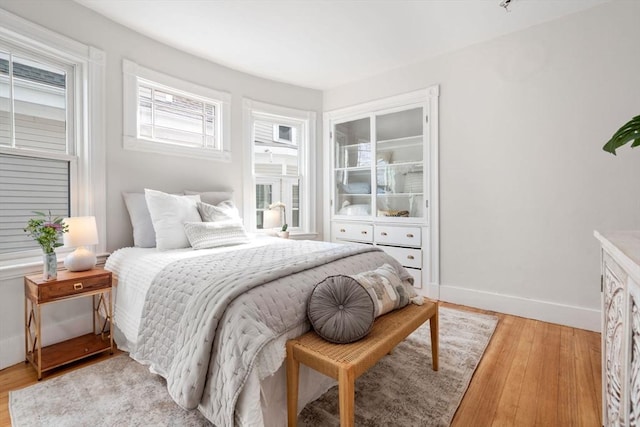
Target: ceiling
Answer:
pixel 322 44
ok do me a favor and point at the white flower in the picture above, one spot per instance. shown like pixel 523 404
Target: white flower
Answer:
pixel 277 205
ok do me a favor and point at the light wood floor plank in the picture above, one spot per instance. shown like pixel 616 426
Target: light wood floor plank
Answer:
pixel 531 372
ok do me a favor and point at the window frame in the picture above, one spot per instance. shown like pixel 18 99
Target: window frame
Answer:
pixel 87 163
pixel 133 74
pixel 306 121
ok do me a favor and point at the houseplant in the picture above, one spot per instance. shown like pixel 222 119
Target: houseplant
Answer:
pixel 47 230
pixel 629 132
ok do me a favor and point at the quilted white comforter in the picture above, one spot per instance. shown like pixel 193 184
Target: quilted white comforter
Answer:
pixel 207 318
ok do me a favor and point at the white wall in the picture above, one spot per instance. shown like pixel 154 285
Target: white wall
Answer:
pixel 524 181
pixel 130 170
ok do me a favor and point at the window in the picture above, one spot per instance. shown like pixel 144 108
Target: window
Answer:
pixel 283 133
pixel 47 122
pixel 280 141
pixel 164 114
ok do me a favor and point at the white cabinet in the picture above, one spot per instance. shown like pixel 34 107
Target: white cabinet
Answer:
pixel 620 328
pixel 383 179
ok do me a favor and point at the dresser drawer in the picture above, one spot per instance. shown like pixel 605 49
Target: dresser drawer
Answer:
pixel 401 236
pixel 352 231
pixel 70 288
pixel 417 277
pixel 408 257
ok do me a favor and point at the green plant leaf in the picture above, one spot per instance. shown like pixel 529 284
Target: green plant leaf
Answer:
pixel 629 132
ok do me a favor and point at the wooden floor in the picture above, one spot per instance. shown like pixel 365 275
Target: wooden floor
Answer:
pixel 532 374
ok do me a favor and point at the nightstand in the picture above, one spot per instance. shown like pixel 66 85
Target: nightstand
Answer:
pixel 94 283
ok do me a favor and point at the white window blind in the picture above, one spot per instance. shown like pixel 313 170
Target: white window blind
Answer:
pixel 29 184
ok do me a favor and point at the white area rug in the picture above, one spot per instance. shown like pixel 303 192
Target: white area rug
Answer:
pixel 401 389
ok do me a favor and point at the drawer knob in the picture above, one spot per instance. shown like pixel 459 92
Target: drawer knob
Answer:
pixel 410 257
pixel 363 232
pixel 409 235
pixel 383 233
pixel 77 286
pixel 342 230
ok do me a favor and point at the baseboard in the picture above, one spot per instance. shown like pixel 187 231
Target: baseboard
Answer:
pixel 13 347
pixel 576 317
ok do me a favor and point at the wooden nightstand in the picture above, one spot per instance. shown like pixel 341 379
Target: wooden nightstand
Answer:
pixel 95 283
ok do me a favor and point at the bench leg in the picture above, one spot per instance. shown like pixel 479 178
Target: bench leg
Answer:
pixel 293 371
pixel 346 391
pixel 433 323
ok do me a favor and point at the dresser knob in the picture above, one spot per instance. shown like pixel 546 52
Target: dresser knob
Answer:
pixel 409 235
pixel 77 286
pixel 383 233
pixel 363 232
pixel 342 230
pixel 410 257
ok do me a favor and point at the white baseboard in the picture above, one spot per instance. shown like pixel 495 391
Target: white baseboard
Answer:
pixel 576 317
pixel 13 347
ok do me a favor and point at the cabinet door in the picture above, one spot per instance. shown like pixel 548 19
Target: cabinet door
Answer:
pixel 400 164
pixel 634 367
pixel 613 343
pixel 352 168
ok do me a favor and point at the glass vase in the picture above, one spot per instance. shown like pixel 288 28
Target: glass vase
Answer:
pixel 49 266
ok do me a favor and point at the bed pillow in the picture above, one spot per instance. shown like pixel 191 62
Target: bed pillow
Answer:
pixel 168 214
pixel 388 291
pixel 211 197
pixel 144 235
pixel 223 211
pixel 341 310
pixel 204 235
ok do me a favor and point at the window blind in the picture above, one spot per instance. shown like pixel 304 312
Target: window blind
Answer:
pixel 29 184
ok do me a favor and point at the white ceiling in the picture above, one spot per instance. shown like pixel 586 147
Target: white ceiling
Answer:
pixel 326 43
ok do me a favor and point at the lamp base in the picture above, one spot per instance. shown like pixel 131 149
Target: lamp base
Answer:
pixel 80 260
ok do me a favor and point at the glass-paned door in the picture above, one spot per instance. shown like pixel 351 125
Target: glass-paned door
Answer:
pixel 352 168
pixel 400 174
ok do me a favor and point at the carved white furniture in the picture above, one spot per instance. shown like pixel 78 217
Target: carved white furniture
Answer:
pixel 620 327
pixel 383 180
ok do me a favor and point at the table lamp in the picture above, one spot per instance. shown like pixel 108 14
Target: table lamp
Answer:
pixel 82 232
pixel 272 219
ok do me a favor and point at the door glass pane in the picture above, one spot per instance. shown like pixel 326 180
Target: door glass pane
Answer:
pixel 400 164
pixel 353 192
pixel 353 143
pixel 40 104
pixel 5 118
pixel 264 197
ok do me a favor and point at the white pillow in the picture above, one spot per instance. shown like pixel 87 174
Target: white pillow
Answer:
pixel 221 212
pixel 168 214
pixel 203 235
pixel 143 234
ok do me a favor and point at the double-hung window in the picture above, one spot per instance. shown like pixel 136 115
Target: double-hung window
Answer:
pixel 48 121
pixel 279 141
pixel 167 115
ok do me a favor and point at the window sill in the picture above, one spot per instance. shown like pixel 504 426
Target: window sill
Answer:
pixel 18 268
pixel 139 144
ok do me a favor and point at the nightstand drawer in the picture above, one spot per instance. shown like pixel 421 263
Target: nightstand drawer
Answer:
pixel 69 289
pixel 69 285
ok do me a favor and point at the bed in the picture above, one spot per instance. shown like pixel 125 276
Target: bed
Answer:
pixel 214 322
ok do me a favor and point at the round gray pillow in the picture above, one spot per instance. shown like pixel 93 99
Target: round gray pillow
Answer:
pixel 341 310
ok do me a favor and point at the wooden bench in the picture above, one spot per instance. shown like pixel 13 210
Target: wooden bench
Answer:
pixel 346 362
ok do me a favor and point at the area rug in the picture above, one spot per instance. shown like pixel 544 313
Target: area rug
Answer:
pixel 401 389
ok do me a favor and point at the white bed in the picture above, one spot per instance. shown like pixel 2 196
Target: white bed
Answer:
pixel 263 398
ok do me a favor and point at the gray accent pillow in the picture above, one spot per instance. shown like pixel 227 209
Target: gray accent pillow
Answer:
pixel 211 197
pixel 221 212
pixel 204 235
pixel 341 310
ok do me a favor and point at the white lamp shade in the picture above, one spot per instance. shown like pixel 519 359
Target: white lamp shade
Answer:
pixel 272 219
pixel 82 232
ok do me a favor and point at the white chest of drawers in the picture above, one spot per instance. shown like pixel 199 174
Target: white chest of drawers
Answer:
pixel 620 328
